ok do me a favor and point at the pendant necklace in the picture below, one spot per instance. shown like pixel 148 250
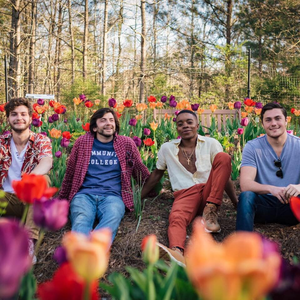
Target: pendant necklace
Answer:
pixel 187 156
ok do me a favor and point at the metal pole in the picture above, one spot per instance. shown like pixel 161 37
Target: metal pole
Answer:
pixel 6 78
pixel 249 76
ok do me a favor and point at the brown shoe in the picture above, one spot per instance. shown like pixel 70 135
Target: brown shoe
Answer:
pixel 168 254
pixel 210 218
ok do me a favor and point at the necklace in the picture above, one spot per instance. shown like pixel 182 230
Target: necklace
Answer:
pixel 187 156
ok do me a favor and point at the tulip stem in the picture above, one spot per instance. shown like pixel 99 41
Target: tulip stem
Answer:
pixel 151 288
pixel 86 295
pixel 39 241
pixel 23 220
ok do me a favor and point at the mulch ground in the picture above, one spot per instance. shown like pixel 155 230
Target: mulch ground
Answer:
pixel 126 249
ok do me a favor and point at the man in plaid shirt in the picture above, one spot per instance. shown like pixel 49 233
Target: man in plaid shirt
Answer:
pixel 98 175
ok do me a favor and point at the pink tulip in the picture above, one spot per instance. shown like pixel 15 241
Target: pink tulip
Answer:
pixel 240 130
pixel 244 121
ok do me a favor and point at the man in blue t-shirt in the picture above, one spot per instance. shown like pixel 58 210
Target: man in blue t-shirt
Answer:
pixel 270 173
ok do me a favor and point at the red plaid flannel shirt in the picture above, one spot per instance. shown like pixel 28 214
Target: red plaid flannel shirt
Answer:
pixel 78 163
pixel 39 146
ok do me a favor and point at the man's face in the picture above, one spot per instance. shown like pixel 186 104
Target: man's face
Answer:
pixel 106 126
pixel 274 123
pixel 19 119
pixel 187 125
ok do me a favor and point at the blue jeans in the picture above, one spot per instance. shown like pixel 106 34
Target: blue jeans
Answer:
pixel 255 208
pixel 86 208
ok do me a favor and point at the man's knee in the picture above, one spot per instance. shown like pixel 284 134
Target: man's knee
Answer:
pixel 247 199
pixel 223 158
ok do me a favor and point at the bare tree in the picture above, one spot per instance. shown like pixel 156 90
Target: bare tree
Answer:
pixel 104 47
pixel 71 41
pixel 143 52
pixel 85 39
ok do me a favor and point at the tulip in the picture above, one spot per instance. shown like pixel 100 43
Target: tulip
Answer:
pixel 213 107
pixel 15 261
pixel 40 102
pixel 172 103
pixel 120 108
pixel 86 127
pixel 66 284
pixel 137 141
pixel 51 214
pixel 295 206
pixel 244 114
pixel 159 105
pixel 240 130
pixel 82 97
pixel 195 106
pixel 51 103
pixel 249 102
pixel 147 131
pixel 200 111
pixel 167 116
pixel 112 102
pixel 58 154
pixel 35 115
pixel 77 101
pixel 88 104
pixel 97 101
pixel 2 107
pixel 138 117
pixel 244 121
pixel 153 126
pixel 288 119
pixel 60 109
pixel 230 105
pixel 151 99
pixel 172 98
pixel 249 109
pixel 257 111
pixel 127 103
pixel 67 135
pixel 148 142
pixel 292 110
pixel 36 122
pixel 258 105
pixel 238 268
pixel 60 255
pixel 55 133
pixel 152 105
pixel 141 107
pixel 297 112
pixel 64 142
pixel 55 117
pixel 132 122
pixel 150 249
pixel 118 115
pixel 237 105
pixel 50 120
pixel 164 99
pixel 88 255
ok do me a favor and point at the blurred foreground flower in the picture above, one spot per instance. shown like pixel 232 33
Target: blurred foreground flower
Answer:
pixel 238 268
pixel 295 206
pixel 150 249
pixel 66 284
pixel 88 255
pixel 51 214
pixel 14 256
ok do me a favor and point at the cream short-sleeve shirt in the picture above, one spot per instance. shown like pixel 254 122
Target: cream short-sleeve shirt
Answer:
pixel 167 158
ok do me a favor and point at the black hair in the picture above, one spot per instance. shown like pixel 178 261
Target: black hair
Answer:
pixel 272 105
pixel 187 111
pixel 15 102
pixel 99 114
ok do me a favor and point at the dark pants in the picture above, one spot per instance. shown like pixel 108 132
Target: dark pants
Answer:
pixel 255 208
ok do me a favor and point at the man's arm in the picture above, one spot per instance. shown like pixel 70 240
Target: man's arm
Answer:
pixel 43 167
pixel 152 181
pixel 230 191
pixel 248 183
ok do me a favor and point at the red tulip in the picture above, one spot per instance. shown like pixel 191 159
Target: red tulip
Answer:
pixel 66 284
pixel 2 107
pixel 148 142
pixel 292 110
pixel 88 104
pixel 150 249
pixel 67 135
pixel 86 127
pixel 295 206
pixel 249 102
pixel 151 99
pixel 127 103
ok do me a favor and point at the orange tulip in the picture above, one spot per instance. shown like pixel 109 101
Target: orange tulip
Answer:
pixel 297 112
pixel 39 109
pixel 55 104
pixel 152 105
pixel 159 105
pixel 257 111
pixel 180 105
pixel 55 133
pixel 148 142
pixel 249 109
pixel 150 249
pixel 118 115
pixel 244 114
pixel 238 268
pixel 88 256
pixel 153 125
pixel 77 101
pixel 138 117
pixel 141 107
pixel 151 99
pixel 230 105
pixel 120 108
pixel 288 119
pixel 213 107
pixel 200 111
pixel 127 103
pixel 167 116
pixel 32 187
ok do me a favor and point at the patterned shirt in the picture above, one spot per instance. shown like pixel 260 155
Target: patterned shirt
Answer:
pixel 39 146
pixel 78 163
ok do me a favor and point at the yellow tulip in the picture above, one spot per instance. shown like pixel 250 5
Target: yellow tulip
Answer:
pixel 55 133
pixel 88 256
pixel 236 269
pixel 153 125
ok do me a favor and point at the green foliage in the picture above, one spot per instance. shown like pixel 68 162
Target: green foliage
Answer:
pixel 28 286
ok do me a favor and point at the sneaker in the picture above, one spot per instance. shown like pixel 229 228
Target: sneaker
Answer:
pixel 210 218
pixel 31 251
pixel 168 254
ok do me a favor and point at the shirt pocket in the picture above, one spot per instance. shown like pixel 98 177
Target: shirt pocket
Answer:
pixel 204 164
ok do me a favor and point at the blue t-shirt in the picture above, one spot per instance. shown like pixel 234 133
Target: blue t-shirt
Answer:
pixel 259 154
pixel 103 176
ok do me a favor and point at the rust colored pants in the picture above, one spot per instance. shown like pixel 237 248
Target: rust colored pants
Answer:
pixel 189 203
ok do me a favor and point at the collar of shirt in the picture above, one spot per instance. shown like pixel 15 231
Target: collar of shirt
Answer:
pixel 176 142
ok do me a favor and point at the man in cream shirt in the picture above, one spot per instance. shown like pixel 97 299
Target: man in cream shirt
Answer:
pixel 199 172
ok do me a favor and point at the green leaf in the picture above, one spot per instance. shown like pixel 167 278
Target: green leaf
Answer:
pixel 28 286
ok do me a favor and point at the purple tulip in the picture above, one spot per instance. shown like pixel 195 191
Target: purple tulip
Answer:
pixel 77 119
pixel 44 133
pixel 64 142
pixel 258 105
pixel 174 119
pixel 51 214
pixel 237 105
pixel 112 102
pixel 82 97
pixel 50 120
pixel 164 99
pixel 55 117
pixel 137 141
pixel 173 103
pixel 65 120
pixel 240 130
pixel 35 122
pixel 244 121
pixel 60 255
pixel 147 131
pixel 15 260
pixel 132 122
pixel 177 112
pixel 58 154
pixel 195 106
pixel 40 102
pixel 172 98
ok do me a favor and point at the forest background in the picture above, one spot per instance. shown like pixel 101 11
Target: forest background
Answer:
pixel 193 49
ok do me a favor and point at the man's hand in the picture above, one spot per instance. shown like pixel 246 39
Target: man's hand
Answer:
pixel 279 193
pixel 292 190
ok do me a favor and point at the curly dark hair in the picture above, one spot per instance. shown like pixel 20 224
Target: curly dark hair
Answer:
pixel 15 102
pixel 99 114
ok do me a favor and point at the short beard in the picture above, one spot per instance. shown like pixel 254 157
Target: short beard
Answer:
pixel 17 130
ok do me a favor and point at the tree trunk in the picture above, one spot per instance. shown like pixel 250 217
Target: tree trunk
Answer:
pixel 119 46
pixel 143 52
pixel 72 42
pixel 192 67
pixel 104 48
pixel 58 51
pixel 228 44
pixel 85 39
